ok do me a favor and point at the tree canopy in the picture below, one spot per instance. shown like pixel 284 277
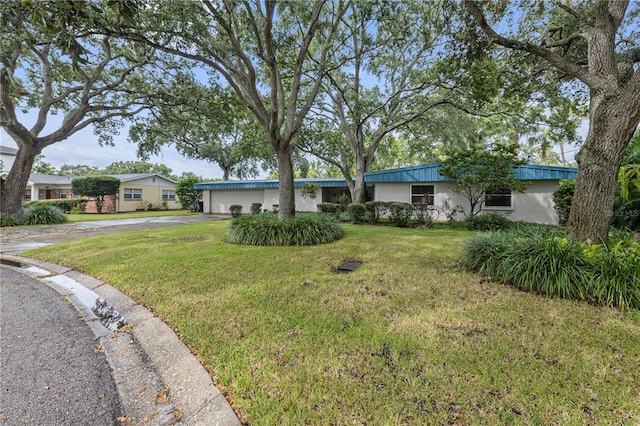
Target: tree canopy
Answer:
pixel 52 62
pixel 593 44
pixel 96 187
pixel 478 171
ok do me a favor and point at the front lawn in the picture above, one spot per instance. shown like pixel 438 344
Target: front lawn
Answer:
pixel 88 217
pixel 408 338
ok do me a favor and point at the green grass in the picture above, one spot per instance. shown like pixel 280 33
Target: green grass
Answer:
pixel 131 215
pixel 409 338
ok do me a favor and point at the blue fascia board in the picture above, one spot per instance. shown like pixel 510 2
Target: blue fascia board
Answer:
pixel 429 173
pixel 269 184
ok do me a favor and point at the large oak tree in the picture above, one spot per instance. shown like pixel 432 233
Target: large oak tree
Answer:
pixel 51 63
pixel 597 45
pixel 273 54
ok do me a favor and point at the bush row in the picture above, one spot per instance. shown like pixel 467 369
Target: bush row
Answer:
pixel 38 213
pixel 372 211
pixel 542 260
pixel 267 230
pixel 67 205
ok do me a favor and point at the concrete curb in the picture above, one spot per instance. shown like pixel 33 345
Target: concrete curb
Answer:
pixel 159 381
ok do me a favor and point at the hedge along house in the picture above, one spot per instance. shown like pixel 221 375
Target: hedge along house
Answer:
pixel 219 196
pixel 423 183
pixel 137 191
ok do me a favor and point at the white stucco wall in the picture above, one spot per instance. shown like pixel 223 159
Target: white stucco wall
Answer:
pixel 271 197
pixel 534 205
pixel 219 201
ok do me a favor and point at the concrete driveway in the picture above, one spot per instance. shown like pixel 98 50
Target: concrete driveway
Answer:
pixel 15 240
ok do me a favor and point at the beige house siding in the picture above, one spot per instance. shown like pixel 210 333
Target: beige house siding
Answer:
pixel 151 189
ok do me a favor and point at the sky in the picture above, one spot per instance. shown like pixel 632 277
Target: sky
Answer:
pixel 83 148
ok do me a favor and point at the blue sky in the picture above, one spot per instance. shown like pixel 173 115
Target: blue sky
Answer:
pixel 83 148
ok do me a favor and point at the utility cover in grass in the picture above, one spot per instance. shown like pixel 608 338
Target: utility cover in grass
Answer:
pixel 348 266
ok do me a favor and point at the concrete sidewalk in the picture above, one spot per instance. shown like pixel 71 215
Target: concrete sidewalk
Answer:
pixel 56 352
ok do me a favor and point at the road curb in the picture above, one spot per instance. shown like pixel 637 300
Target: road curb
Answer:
pixel 159 380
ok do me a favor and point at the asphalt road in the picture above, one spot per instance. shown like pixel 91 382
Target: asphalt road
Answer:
pixel 52 369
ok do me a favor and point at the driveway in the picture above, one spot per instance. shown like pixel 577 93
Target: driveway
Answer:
pixel 15 240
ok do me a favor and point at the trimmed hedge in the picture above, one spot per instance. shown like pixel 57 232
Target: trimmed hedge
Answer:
pixel 235 210
pixel 400 213
pixel 487 222
pixel 256 208
pixel 356 211
pixel 377 209
pixel 328 208
pixel 267 230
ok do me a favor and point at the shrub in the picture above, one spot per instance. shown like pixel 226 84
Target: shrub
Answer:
pixel 422 213
pixel 616 273
pixel 562 199
pixel 356 211
pixel 10 220
pixel 344 217
pixel 541 261
pixel 236 210
pixel 487 222
pixel 188 196
pixel 377 209
pixel 78 210
pixel 400 213
pixel 96 187
pixel 43 214
pixel 64 204
pixel 256 208
pixel 267 230
pixel 343 201
pixel 328 208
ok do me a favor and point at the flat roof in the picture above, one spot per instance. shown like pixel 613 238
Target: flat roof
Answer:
pixel 429 173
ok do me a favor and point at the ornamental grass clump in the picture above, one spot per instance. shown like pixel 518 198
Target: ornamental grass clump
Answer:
pixel 42 214
pixel 267 230
pixel 616 273
pixel 547 263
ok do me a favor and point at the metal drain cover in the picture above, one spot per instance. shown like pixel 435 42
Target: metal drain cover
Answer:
pixel 348 266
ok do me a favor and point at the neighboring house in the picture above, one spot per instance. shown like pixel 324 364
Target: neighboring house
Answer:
pixel 406 184
pixel 423 182
pixel 137 191
pixel 219 196
pixel 7 158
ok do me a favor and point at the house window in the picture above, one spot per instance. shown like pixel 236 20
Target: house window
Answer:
pixel 27 195
pixel 63 193
pixel 132 194
pixel 422 194
pixel 168 195
pixel 500 197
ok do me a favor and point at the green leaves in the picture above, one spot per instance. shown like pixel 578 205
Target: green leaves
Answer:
pixel 477 170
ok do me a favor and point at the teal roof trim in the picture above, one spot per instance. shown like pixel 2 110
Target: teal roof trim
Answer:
pixel 269 184
pixel 429 173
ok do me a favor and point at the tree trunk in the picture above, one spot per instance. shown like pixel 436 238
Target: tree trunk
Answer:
pixel 13 188
pixel 287 208
pixel 612 123
pixel 360 190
